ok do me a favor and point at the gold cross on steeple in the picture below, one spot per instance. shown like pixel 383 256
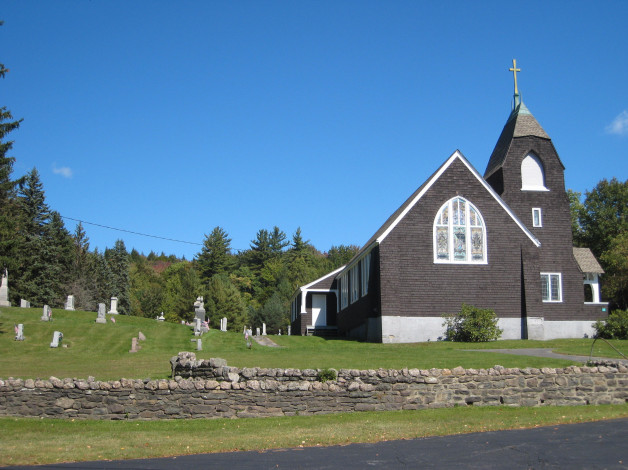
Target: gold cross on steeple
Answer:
pixel 514 71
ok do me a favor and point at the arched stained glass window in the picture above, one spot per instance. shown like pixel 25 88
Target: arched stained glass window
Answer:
pixel 459 233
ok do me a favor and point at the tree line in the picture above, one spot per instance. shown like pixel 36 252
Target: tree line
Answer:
pixel 46 262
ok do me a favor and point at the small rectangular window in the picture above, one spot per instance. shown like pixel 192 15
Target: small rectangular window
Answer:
pixel 551 287
pixel 537 217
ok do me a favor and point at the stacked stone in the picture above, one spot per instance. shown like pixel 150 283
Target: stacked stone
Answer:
pixel 212 389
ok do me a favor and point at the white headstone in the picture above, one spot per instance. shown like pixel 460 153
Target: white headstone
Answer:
pixel 56 339
pixel 199 344
pixel 257 331
pixel 25 303
pixel 161 317
pixel 289 331
pixel 224 323
pixel 114 306
pixel 197 327
pixel 19 332
pixel 279 332
pixel 46 315
pixel 102 318
pixel 263 329
pixel 4 290
pixel 69 304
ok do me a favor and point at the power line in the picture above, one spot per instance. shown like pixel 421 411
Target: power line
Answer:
pixel 130 231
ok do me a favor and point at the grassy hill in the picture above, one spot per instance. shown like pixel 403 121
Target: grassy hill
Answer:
pixel 102 350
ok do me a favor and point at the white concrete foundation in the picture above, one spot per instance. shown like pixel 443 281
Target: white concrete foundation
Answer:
pixel 420 329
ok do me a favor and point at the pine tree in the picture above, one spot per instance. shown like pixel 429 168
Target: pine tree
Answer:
pixel 118 263
pixel 9 226
pixel 215 256
pixel 224 300
pixel 182 286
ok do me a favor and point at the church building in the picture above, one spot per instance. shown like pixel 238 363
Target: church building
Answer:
pixel 501 241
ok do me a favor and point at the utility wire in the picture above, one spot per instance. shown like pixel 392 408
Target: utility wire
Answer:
pixel 130 231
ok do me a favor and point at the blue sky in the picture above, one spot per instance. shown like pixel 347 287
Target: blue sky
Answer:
pixel 170 118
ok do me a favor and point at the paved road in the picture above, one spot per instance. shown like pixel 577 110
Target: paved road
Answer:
pixel 597 445
pixel 547 352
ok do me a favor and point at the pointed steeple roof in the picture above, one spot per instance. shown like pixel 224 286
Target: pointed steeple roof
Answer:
pixel 521 123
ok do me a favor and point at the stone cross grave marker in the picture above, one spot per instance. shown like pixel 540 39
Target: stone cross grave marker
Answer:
pixel 4 290
pixel 102 318
pixel 56 339
pixel 114 306
pixel 19 332
pixel 69 304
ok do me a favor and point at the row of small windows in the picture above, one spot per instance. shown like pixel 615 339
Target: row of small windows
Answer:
pixel 355 283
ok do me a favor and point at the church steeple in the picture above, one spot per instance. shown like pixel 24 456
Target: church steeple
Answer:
pixel 520 123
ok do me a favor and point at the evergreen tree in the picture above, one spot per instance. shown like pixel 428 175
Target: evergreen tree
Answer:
pixel 215 256
pixel 222 299
pixel 146 290
pixel 8 211
pixel 277 241
pixel 118 261
pixel 341 255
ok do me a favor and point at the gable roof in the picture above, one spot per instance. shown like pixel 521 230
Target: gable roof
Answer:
pixel 401 212
pixel 521 123
pixel 586 261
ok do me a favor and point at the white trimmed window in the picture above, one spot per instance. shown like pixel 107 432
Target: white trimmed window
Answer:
pixel 344 291
pixel 551 287
pixel 532 174
pixel 355 283
pixel 365 266
pixel 537 217
pixel 459 233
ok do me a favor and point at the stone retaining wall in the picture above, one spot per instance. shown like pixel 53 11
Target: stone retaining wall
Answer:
pixel 211 389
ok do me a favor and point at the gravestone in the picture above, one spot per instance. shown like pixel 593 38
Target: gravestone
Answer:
pixel 263 329
pixel 199 308
pixel 56 339
pixel 25 303
pixel 114 306
pixel 224 321
pixel 4 290
pixel 46 315
pixel 141 336
pixel 289 331
pixel 69 304
pixel 257 331
pixel 102 317
pixel 161 317
pixel 135 347
pixel 204 327
pixel 199 344
pixel 19 332
pixel 197 327
pixel 279 332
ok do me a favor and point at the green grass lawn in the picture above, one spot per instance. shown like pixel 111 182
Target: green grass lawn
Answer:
pixel 102 350
pixel 48 441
